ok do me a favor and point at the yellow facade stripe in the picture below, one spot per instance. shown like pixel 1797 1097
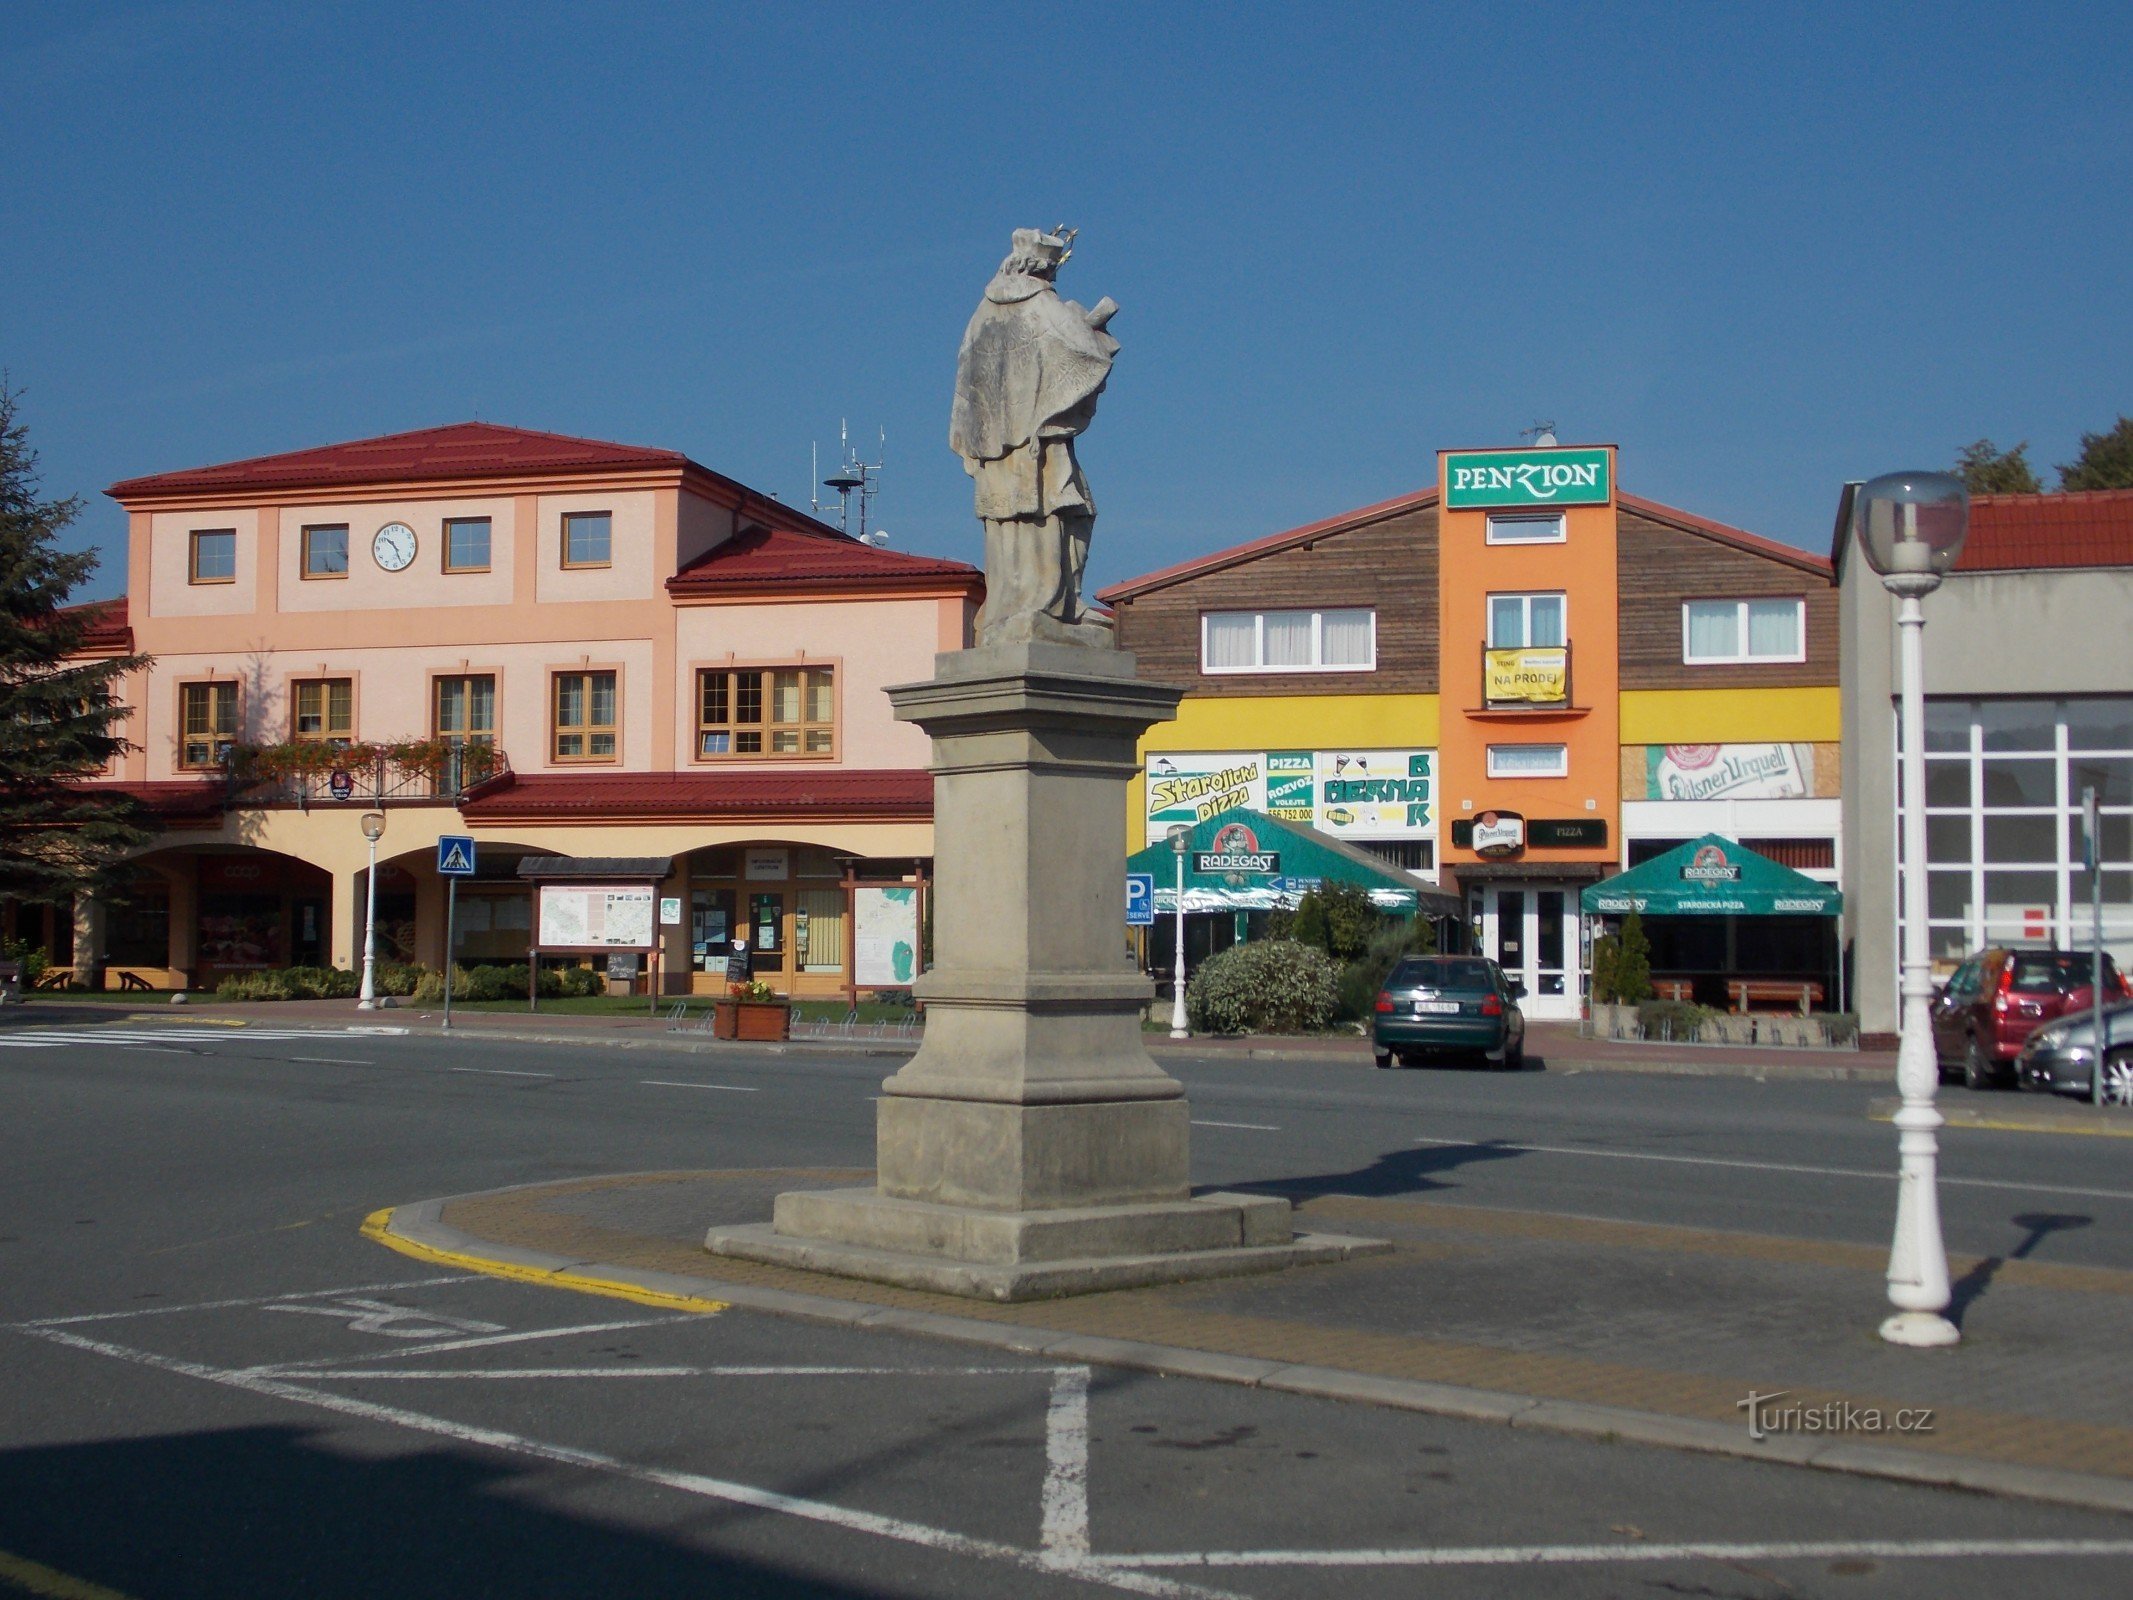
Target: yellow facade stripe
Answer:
pixel 1727 716
pixel 34 1577
pixel 377 1227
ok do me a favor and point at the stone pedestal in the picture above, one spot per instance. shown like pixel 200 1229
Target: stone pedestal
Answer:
pixel 1032 1146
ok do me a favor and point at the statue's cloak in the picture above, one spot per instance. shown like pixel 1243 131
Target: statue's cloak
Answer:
pixel 1030 368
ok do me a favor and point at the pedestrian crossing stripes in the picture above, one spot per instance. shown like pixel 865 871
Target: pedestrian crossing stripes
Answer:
pixel 54 1038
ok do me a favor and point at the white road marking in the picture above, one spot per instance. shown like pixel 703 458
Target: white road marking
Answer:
pixel 502 1072
pixel 153 1049
pixel 335 1061
pixel 1884 1176
pixel 254 1300
pixel 741 1494
pixel 473 1344
pixel 1066 1468
pixel 1594 1554
pixel 1254 1127
pixel 56 1038
pixel 483 1374
pixel 389 1321
pixel 671 1083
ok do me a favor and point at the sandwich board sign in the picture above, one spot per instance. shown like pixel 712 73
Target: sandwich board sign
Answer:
pixel 455 856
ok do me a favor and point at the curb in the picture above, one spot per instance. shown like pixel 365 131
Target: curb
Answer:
pixel 418 1230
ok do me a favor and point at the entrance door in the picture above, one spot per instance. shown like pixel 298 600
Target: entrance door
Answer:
pixel 1532 933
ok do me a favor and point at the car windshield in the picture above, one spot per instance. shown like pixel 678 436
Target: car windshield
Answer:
pixel 2048 974
pixel 1443 975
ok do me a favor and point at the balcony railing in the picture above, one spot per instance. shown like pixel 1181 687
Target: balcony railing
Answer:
pixel 311 773
pixel 1522 676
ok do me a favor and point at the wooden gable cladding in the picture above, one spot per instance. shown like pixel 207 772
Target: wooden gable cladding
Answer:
pixel 1659 567
pixel 1389 565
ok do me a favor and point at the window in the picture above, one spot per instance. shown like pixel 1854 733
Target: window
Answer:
pixel 214 556
pixel 585 716
pixel 1519 620
pixel 325 709
pixel 1300 641
pixel 784 711
pixel 1546 528
pixel 465 709
pixel 326 551
pixel 1411 855
pixel 207 718
pixel 1743 630
pixel 466 544
pixel 1529 761
pixel 588 539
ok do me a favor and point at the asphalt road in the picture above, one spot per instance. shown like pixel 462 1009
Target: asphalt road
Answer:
pixel 214 1387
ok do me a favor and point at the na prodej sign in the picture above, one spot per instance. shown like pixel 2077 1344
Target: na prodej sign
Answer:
pixel 1539 478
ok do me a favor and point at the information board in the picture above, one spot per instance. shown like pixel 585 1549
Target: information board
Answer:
pixel 575 916
pixel 885 936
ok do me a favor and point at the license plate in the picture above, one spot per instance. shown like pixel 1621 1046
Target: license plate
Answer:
pixel 1436 1008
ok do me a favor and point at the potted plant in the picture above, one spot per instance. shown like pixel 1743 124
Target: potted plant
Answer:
pixel 751 1010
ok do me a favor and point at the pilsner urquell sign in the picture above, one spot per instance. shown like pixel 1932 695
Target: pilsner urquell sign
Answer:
pixel 1477 478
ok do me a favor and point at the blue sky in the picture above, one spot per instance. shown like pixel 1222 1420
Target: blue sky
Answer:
pixel 1761 248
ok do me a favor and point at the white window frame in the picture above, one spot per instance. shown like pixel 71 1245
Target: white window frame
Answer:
pixel 1741 655
pixel 1562 769
pixel 1526 597
pixel 1318 640
pixel 1557 527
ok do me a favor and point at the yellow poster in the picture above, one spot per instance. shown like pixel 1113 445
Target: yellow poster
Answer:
pixel 1527 677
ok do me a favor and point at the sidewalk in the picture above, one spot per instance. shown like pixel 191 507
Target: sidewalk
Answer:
pixel 1646 1333
pixel 1551 1047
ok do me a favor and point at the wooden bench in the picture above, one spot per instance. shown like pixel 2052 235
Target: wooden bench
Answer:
pixel 1674 988
pixel 1769 991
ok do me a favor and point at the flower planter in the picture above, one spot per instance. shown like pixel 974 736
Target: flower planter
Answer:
pixel 751 1019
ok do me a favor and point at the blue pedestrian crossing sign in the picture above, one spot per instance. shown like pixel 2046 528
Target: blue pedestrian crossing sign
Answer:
pixel 1140 899
pixel 455 856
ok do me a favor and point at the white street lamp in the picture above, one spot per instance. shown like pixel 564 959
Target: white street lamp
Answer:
pixel 373 830
pixel 1180 841
pixel 1910 527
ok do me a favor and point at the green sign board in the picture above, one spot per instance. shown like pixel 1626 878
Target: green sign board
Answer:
pixel 1478 478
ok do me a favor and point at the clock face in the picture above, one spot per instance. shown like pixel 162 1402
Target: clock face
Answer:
pixel 394 546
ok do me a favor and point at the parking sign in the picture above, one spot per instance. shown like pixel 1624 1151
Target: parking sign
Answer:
pixel 1140 899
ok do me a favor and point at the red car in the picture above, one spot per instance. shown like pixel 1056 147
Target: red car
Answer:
pixel 1998 998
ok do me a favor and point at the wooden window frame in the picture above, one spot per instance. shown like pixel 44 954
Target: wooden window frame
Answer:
pixel 326 735
pixel 303 554
pixel 212 685
pixel 589 730
pixel 1741 657
pixel 192 554
pixel 1317 614
pixel 563 529
pixel 496 702
pixel 445 552
pixel 704 670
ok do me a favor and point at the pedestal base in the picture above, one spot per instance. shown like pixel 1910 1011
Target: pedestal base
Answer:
pixel 1922 1330
pixel 1029 1255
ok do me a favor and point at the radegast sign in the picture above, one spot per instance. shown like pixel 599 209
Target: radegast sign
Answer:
pixel 1473 479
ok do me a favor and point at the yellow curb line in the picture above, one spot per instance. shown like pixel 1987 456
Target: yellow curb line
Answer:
pixel 2000 1126
pixel 377 1227
pixel 177 1013
pixel 34 1577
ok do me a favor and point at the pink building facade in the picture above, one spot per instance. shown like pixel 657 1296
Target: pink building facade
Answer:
pixel 561 647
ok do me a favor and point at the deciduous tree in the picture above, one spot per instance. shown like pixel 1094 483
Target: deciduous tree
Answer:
pixel 1987 469
pixel 2105 462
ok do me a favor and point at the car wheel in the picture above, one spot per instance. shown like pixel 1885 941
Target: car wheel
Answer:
pixel 1514 1059
pixel 1977 1071
pixel 1383 1058
pixel 2118 1078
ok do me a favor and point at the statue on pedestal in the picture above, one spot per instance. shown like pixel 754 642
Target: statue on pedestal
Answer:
pixel 1026 382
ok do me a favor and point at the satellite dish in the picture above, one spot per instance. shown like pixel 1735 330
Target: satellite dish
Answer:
pixel 879 538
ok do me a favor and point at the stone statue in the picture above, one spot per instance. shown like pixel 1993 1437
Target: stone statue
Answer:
pixel 1026 382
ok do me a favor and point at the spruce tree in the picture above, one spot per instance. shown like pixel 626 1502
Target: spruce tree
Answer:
pixel 1633 962
pixel 59 711
pixel 2105 462
pixel 1987 469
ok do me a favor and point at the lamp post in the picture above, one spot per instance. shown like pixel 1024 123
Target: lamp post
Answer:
pixel 1180 841
pixel 367 997
pixel 1910 527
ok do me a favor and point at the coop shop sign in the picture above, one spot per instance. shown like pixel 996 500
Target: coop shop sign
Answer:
pixel 1525 478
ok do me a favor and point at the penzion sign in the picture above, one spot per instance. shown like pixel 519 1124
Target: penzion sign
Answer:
pixel 1478 478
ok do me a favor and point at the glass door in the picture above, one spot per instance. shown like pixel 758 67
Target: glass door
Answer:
pixel 1532 933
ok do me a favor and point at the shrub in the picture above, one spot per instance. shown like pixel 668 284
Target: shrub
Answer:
pixel 491 982
pixel 1362 978
pixel 1266 986
pixel 394 977
pixel 1606 969
pixel 1676 1019
pixel 1339 918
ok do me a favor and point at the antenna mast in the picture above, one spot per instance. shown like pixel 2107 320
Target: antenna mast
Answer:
pixel 852 477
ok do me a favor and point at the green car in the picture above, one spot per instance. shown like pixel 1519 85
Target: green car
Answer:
pixel 1449 1005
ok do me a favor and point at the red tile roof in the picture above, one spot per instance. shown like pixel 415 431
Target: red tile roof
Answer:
pixel 176 802
pixel 793 561
pixel 1346 521
pixel 106 624
pixel 2009 532
pixel 815 794
pixel 462 450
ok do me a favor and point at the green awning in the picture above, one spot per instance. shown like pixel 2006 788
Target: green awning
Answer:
pixel 1248 861
pixel 1712 877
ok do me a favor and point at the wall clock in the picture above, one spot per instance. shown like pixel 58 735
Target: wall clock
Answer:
pixel 393 547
